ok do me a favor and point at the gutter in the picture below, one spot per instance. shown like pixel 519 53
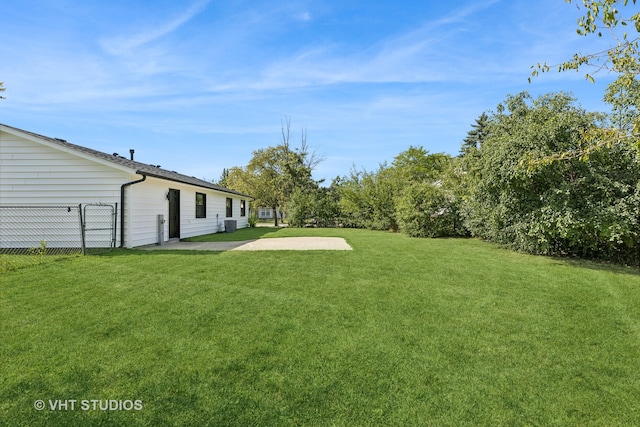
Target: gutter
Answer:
pixel 122 188
pixel 187 182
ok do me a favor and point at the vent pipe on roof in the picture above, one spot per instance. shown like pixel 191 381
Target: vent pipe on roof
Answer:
pixel 131 151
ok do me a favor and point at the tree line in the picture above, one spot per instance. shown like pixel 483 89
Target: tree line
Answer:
pixel 505 185
pixel 539 175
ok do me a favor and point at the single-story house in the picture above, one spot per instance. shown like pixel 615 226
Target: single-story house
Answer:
pixel 267 213
pixel 153 205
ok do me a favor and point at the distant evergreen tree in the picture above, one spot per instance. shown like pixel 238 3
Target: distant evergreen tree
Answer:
pixel 223 178
pixel 476 136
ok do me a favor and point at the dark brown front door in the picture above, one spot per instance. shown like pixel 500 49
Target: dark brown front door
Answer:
pixel 174 213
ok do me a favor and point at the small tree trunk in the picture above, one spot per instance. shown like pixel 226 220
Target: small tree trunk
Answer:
pixel 275 216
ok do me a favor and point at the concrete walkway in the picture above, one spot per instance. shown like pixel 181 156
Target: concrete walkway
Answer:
pixel 272 244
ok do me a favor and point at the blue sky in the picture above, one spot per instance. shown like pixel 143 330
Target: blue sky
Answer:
pixel 197 85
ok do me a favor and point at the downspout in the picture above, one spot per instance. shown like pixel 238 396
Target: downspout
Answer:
pixel 122 188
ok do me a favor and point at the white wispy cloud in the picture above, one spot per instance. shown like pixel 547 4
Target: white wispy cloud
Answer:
pixel 304 16
pixel 123 44
pixel 462 14
pixel 424 54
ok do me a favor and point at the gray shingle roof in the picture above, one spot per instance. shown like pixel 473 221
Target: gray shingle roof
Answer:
pixel 138 167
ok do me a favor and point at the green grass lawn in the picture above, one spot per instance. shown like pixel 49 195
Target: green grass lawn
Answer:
pixel 398 331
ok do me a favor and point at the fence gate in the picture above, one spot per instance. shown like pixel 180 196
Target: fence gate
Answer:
pixel 98 227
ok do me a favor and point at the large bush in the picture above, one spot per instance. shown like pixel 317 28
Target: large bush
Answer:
pixel 318 207
pixel 375 199
pixel 519 196
pixel 426 209
pixel 367 199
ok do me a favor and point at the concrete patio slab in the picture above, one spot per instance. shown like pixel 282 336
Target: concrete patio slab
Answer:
pixel 273 244
pixel 295 244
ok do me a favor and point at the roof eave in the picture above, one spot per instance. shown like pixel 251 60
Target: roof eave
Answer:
pixel 220 189
pixel 41 139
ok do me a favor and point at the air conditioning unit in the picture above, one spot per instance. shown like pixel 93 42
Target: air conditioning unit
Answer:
pixel 230 225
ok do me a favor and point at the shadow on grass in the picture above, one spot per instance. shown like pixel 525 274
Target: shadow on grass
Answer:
pixel 129 252
pixel 598 265
pixel 573 261
pixel 241 234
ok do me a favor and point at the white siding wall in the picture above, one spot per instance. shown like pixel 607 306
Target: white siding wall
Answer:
pixel 32 174
pixel 143 202
pixel 150 200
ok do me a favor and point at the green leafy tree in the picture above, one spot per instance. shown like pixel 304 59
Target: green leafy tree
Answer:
pixel 411 195
pixel 2 89
pixel 367 199
pixel 427 209
pixel 416 164
pixel 274 173
pixel 248 182
pixel 583 207
pixel 604 19
pixel 327 207
pixel 607 19
pixel 427 204
pixel 624 97
pixel 317 207
pixel 301 208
